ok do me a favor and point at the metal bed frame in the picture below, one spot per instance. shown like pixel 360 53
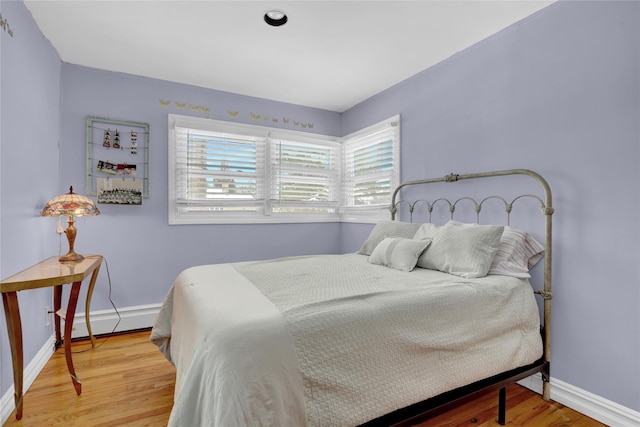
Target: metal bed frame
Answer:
pixel 435 405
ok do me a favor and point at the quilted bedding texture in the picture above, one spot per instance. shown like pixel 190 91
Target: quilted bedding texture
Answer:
pixel 332 340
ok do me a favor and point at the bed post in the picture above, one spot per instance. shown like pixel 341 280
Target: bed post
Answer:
pixel 546 294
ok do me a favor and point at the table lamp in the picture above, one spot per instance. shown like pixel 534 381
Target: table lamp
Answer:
pixel 70 204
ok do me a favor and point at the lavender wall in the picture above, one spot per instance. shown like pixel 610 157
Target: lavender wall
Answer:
pixel 30 118
pixel 558 93
pixel 144 253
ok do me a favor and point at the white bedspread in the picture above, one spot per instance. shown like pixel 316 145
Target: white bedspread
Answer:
pixel 235 361
pixel 333 340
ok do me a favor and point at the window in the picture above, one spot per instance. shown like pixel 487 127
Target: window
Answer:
pixel 305 177
pixel 371 172
pixel 221 172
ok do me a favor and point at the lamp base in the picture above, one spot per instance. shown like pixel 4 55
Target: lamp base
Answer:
pixel 71 257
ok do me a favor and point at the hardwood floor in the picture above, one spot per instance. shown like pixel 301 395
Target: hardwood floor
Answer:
pixel 126 381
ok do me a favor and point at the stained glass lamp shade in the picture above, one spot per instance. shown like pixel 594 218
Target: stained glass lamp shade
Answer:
pixel 70 204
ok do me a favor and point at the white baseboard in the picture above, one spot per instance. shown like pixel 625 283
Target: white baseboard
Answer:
pixel 106 321
pixel 589 404
pixel 7 403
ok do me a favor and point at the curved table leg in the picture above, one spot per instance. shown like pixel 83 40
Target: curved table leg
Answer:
pixel 14 328
pixel 68 327
pixel 87 305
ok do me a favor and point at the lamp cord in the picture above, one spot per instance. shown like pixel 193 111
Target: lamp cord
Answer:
pixel 106 264
pixel 58 228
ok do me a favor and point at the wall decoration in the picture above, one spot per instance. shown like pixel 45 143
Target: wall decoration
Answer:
pixel 235 114
pixel 106 142
pixel 116 140
pixel 106 167
pixel 134 142
pixel 117 160
pixel 4 24
pixel 117 191
pixel 199 108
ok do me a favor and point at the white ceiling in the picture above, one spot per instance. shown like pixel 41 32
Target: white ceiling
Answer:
pixel 330 55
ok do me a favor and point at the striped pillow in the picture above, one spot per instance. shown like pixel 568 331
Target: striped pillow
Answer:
pixel 388 228
pixel 401 254
pixel 517 254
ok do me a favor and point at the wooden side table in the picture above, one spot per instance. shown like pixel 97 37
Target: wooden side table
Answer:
pixel 48 273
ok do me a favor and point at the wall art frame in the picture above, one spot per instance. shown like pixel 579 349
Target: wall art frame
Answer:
pixel 116 150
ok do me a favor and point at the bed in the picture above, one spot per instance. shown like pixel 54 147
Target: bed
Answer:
pixel 420 318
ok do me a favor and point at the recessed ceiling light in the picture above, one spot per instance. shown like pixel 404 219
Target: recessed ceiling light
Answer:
pixel 275 18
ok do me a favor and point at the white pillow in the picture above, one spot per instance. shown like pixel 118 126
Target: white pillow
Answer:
pixel 387 228
pixel 426 231
pixel 461 250
pixel 517 254
pixel 396 252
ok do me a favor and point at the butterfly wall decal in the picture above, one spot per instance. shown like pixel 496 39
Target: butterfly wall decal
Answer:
pixel 4 24
pixel 236 114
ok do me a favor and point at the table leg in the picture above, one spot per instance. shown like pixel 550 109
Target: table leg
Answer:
pixel 68 328
pixel 14 328
pixel 57 303
pixel 87 305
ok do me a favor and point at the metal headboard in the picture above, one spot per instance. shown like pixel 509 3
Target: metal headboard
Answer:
pixel 546 208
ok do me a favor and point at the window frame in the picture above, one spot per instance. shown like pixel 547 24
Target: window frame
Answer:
pixel 265 214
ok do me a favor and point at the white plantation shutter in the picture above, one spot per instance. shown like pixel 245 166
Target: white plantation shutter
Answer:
pixel 214 171
pixel 305 176
pixel 371 160
pixel 227 172
pixel 220 169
